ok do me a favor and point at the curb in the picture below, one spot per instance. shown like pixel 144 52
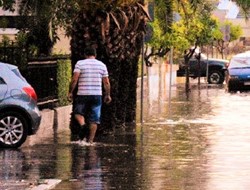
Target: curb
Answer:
pixel 47 184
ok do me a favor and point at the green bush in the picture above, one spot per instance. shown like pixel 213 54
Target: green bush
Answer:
pixel 63 80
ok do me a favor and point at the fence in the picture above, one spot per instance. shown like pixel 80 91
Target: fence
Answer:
pixel 11 52
pixel 50 78
pixel 41 73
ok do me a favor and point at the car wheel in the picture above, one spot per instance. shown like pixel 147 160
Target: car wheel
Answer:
pixel 215 77
pixel 13 129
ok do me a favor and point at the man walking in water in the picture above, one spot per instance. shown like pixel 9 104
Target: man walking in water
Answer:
pixel 90 74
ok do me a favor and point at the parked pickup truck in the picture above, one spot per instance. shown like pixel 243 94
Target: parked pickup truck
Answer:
pixel 216 69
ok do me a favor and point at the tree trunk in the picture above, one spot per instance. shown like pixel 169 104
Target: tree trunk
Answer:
pixel 117 36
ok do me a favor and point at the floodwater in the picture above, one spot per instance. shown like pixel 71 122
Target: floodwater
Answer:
pixel 199 141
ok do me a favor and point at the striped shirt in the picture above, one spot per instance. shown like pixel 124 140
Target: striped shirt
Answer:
pixel 91 73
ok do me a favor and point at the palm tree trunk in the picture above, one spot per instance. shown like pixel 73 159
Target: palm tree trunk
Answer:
pixel 117 36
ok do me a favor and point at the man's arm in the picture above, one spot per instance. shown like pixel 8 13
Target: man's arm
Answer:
pixel 72 86
pixel 106 83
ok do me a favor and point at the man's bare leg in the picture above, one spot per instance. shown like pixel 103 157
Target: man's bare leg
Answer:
pixel 83 130
pixel 80 119
pixel 92 131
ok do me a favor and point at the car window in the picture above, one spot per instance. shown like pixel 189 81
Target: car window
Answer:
pixel 193 61
pixel 5 67
pixel 213 62
pixel 239 62
pixel 3 89
pixel 2 81
pixel 17 73
pixel 203 56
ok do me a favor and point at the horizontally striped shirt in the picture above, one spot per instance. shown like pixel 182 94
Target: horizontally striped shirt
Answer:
pixel 91 73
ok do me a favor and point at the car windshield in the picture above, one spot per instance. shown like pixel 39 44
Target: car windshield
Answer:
pixel 239 63
pixel 14 69
pixel 203 56
pixel 240 60
pixel 240 67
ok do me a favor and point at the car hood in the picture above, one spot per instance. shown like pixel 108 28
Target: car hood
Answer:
pixel 242 73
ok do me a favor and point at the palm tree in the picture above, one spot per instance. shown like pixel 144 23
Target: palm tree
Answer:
pixel 116 29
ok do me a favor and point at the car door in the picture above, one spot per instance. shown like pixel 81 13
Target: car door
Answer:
pixel 203 68
pixel 193 67
pixel 196 69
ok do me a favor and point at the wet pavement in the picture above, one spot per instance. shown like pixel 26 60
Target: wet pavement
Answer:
pixel 200 141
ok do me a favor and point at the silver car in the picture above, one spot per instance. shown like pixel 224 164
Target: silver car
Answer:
pixel 19 114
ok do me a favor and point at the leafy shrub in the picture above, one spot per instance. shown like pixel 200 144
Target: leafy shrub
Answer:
pixel 63 80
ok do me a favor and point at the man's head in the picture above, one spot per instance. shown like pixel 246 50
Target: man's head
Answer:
pixel 89 51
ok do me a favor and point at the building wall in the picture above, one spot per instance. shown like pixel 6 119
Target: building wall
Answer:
pixel 63 44
pixel 222 14
pixel 61 47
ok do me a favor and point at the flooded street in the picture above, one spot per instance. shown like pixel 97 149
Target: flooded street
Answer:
pixel 199 141
pixel 205 144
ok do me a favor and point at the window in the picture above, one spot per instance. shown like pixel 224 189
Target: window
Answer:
pixel 2 81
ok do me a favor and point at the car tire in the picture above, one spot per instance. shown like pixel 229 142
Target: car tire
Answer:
pixel 215 77
pixel 13 129
pixel 232 88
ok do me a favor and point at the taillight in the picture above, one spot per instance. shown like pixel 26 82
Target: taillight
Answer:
pixel 31 92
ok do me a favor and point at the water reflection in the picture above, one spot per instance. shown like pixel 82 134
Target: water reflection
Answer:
pixel 229 153
pixel 86 168
pixel 11 164
pixel 92 170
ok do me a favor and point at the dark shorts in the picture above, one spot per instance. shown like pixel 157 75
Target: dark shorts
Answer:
pixel 89 107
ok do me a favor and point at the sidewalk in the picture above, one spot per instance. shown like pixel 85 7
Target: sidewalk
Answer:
pixel 46 184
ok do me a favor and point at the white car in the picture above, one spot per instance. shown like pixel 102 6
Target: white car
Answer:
pixel 238 73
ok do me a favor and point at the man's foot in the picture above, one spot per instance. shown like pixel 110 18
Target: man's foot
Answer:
pixel 83 133
pixel 85 143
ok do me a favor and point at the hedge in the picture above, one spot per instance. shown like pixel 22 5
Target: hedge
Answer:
pixel 63 80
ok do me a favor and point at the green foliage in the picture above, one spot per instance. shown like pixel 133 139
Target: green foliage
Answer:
pixel 164 14
pixel 159 38
pixel 193 27
pixel 244 5
pixel 39 27
pixel 6 40
pixel 12 52
pixel 4 22
pixel 17 52
pixel 21 40
pixel 235 31
pixel 63 80
pixel 7 4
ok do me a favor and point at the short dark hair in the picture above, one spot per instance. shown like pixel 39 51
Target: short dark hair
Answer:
pixel 90 51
